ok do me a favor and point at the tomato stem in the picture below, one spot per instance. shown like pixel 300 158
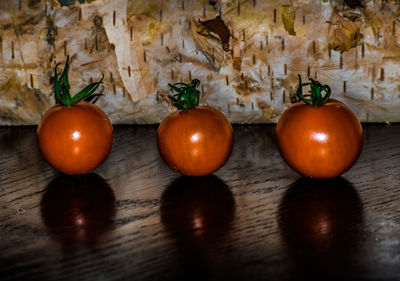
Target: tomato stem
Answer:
pixel 62 87
pixel 316 88
pixel 187 96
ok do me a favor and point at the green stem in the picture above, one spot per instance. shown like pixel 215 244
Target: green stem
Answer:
pixel 62 87
pixel 316 98
pixel 187 96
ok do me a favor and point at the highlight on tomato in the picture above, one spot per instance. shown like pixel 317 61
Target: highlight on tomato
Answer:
pixel 319 137
pixel 194 140
pixel 74 136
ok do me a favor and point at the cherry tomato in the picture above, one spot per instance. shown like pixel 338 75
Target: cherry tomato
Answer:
pixel 75 139
pixel 321 141
pixel 195 142
pixel 74 136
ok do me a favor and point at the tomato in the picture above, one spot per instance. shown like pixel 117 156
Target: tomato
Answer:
pixel 75 139
pixel 74 136
pixel 321 141
pixel 195 141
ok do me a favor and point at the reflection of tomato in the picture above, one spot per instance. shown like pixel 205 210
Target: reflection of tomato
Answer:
pixel 309 215
pixel 78 208
pixel 321 222
pixel 320 141
pixel 197 207
pixel 196 142
pixel 198 212
pixel 75 139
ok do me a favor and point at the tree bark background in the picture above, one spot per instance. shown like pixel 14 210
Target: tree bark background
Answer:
pixel 247 55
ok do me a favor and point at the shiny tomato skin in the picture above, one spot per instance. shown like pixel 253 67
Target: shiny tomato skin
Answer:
pixel 75 139
pixel 319 142
pixel 197 142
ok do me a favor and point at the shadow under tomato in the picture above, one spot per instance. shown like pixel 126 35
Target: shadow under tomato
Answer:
pixel 321 224
pixel 78 208
pixel 198 212
pixel 197 207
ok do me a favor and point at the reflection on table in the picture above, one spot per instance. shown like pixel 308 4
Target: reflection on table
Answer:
pixel 198 212
pixel 321 222
pixel 78 208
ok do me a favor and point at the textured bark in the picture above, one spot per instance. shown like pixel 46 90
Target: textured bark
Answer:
pixel 246 54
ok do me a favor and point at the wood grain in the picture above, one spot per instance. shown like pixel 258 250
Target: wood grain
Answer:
pixel 255 219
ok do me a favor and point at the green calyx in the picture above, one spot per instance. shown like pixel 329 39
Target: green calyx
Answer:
pixel 187 96
pixel 316 98
pixel 62 87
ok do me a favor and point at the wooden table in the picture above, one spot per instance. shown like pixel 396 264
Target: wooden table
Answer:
pixel 255 219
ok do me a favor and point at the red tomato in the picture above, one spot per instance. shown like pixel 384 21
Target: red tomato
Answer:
pixel 75 139
pixel 319 142
pixel 195 142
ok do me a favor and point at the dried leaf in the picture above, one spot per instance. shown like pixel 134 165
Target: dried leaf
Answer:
pixel 218 27
pixel 210 45
pixel 288 19
pixel 347 34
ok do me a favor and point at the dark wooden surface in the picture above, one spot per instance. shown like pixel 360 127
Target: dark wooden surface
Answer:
pixel 255 219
